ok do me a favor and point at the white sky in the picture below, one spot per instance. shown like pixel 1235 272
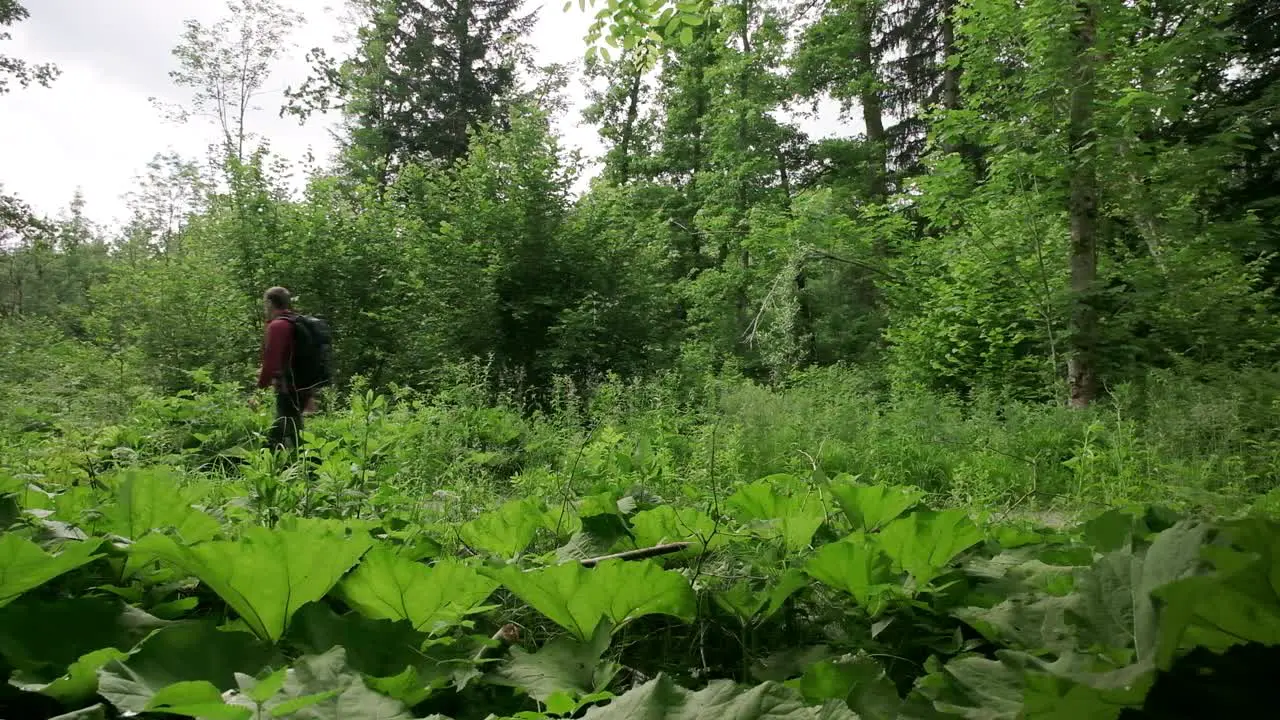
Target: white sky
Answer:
pixel 96 129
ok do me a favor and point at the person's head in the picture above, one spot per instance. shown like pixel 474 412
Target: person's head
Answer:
pixel 277 301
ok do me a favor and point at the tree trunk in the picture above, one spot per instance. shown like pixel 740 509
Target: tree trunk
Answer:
pixel 629 128
pixel 950 74
pixel 1082 373
pixel 872 103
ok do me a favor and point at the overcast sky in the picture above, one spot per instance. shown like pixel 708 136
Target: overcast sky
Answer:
pixel 96 129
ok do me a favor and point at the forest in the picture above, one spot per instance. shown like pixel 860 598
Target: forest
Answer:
pixel 968 409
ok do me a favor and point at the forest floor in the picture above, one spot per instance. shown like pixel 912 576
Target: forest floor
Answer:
pixel 850 554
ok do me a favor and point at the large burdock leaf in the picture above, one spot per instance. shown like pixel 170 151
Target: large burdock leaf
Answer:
pixel 57 646
pixel 563 665
pixel 757 604
pixel 924 543
pixel 150 500
pixel 389 586
pixel 665 524
pixel 322 687
pixel 662 699
pixel 869 507
pixel 267 575
pixel 1236 604
pixel 857 566
pixel 506 531
pixel 24 565
pixel 192 651
pixel 771 514
pixel 858 680
pixel 577 598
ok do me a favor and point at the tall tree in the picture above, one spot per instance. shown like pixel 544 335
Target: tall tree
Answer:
pixel 423 75
pixel 226 65
pixel 1082 370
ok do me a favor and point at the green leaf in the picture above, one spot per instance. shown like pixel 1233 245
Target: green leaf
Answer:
pixel 563 665
pixel 1234 605
pixel 78 684
pixel 262 690
pixel 150 500
pixel 24 565
pixel 771 514
pixel 267 575
pixel 597 535
pixel 577 598
pixel 378 648
pixel 388 586
pixel 858 680
pixel 923 543
pixel 166 658
pixel 686 36
pixel 870 507
pixel 395 659
pixel 975 688
pixel 57 646
pixel 327 689
pixel 857 566
pixel 507 531
pixel 198 699
pixel 662 699
pixel 746 602
pixel 666 524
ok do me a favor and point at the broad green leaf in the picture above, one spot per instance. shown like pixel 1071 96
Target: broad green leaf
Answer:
pixel 388 586
pixel 666 524
pixel 769 513
pixel 577 598
pixel 78 684
pixel 395 659
pixel 857 566
pixel 563 665
pixel 267 575
pixel 870 507
pixel 975 688
pixel 1233 606
pixel 262 690
pixel 858 680
pixel 151 500
pixel 57 646
pixel 1111 607
pixel 924 543
pixel 507 531
pixel 24 565
pixel 597 535
pixel 1174 554
pixel 662 699
pixel 166 658
pixel 322 687
pixel 748 602
pixel 198 699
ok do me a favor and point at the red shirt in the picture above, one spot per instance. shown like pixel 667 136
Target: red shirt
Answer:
pixel 277 349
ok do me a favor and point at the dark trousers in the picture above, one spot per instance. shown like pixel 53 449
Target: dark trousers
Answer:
pixel 287 430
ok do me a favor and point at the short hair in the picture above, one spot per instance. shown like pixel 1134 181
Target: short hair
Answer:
pixel 278 297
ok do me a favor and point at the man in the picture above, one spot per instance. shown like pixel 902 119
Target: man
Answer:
pixel 277 371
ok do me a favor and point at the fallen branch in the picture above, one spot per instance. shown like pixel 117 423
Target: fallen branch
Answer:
pixel 640 554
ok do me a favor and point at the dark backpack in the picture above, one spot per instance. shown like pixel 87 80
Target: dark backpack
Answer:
pixel 311 367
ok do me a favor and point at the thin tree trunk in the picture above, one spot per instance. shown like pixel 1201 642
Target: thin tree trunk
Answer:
pixel 1082 372
pixel 629 128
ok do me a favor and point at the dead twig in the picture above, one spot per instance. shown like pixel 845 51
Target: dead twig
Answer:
pixel 641 554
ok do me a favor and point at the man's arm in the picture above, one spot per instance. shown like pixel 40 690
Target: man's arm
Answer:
pixel 274 351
